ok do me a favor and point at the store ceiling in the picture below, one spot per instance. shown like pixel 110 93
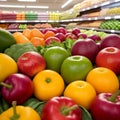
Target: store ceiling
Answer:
pixel 54 5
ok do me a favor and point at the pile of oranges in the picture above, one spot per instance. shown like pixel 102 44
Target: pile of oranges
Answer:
pixel 35 36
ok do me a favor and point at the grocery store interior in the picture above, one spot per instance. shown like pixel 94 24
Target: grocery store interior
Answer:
pixel 100 15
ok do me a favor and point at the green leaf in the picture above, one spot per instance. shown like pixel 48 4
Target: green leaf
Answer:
pixel 85 114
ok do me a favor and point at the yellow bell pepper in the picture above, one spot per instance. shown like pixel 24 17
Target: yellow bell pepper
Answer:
pixel 20 113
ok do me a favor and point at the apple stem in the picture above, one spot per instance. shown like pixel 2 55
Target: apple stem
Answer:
pixel 65 110
pixel 6 85
pixel 114 96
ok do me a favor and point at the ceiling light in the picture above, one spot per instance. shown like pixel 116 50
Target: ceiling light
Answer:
pixel 26 0
pixel 3 0
pixel 43 7
pixel 13 6
pixel 66 3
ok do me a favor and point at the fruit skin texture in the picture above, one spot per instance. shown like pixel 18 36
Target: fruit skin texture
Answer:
pixel 6 40
pixel 109 57
pixel 7 66
pixel 85 47
pixel 103 80
pixel 54 56
pixel 75 67
pixel 103 109
pixel 26 113
pixel 81 92
pixel 30 63
pixel 53 109
pixel 111 40
pixel 47 84
pixel 22 88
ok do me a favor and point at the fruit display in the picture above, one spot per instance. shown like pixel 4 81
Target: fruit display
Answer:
pixel 110 25
pixel 45 75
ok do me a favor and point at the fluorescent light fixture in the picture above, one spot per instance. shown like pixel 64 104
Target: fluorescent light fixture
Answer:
pixel 26 0
pixel 13 6
pixel 43 7
pixel 66 3
pixel 3 0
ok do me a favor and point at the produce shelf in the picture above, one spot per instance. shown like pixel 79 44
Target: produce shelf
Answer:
pixel 103 30
pixel 100 5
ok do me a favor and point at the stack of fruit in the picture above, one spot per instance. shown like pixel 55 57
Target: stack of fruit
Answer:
pixel 69 75
pixel 110 25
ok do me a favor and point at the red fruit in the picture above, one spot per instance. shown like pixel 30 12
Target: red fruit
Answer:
pixel 96 38
pixel 76 31
pixel 85 47
pixel 111 40
pixel 82 36
pixel 50 39
pixel 19 90
pixel 30 63
pixel 61 36
pixel 61 30
pixel 109 57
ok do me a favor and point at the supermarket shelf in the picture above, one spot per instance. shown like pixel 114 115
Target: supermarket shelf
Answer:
pixel 100 5
pixel 103 30
pixel 28 21
pixel 92 18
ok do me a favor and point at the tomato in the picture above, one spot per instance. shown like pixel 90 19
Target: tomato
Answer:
pixel 81 92
pixel 54 57
pixel 75 67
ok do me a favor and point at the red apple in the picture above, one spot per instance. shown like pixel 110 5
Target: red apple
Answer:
pixel 94 37
pixel 61 30
pixel 76 31
pixel 50 39
pixel 111 40
pixel 109 57
pixel 71 36
pixel 85 47
pixel 61 36
pixel 82 36
pixel 19 88
pixel 30 63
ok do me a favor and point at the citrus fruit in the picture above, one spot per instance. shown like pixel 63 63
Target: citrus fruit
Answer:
pixel 7 66
pixel 54 57
pixel 49 34
pixel 26 33
pixel 36 33
pixel 36 41
pixel 81 92
pixel 20 38
pixel 103 80
pixel 48 84
pixel 75 68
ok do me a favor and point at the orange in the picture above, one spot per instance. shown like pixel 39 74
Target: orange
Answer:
pixel 20 38
pixel 36 41
pixel 81 92
pixel 47 84
pixel 103 80
pixel 36 33
pixel 49 34
pixel 26 33
pixel 7 66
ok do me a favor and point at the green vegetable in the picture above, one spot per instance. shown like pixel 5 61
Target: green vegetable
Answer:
pixel 16 50
pixel 67 44
pixel 6 39
pixel 35 104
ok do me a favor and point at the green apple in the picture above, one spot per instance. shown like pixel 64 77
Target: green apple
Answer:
pixel 54 57
pixel 75 68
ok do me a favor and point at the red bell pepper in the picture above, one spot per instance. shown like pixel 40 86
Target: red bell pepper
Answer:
pixel 61 108
pixel 106 106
